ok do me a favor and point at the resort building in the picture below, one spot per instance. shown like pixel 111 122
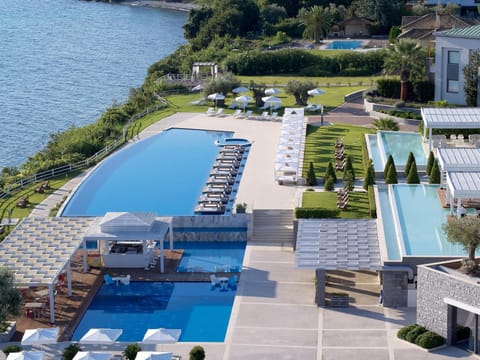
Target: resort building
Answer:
pixel 452 52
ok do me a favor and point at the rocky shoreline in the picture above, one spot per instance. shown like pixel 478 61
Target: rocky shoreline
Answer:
pixel 181 6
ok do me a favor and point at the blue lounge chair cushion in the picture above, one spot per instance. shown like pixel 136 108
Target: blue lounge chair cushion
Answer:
pixel 108 279
pixel 232 282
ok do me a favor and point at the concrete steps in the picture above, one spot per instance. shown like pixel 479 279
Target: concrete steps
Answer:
pixel 273 226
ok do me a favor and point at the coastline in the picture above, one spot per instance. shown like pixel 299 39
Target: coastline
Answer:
pixel 180 6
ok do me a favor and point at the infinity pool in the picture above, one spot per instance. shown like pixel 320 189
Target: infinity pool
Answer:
pixel 412 217
pixel 164 174
pixel 344 45
pixel 201 312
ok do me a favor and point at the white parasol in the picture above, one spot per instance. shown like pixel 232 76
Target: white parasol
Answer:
pixel 101 336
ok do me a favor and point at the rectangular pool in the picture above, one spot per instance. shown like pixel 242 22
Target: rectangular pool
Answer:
pixel 201 312
pixel 344 45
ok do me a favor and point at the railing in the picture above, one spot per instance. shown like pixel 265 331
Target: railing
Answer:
pixel 65 169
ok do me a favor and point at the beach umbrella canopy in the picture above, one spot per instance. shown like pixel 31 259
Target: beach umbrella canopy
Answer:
pixel 40 336
pixel 244 100
pixel 27 355
pixel 198 87
pixel 240 89
pixel 153 355
pixel 315 92
pixel 272 91
pixel 271 100
pixel 216 96
pixel 161 336
pixel 91 355
pixel 101 336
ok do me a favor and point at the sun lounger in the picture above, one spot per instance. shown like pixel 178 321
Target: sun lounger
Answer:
pixel 237 113
pixel 219 112
pixel 248 114
pixel 264 116
pixel 211 111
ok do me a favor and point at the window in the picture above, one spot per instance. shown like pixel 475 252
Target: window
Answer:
pixel 453 70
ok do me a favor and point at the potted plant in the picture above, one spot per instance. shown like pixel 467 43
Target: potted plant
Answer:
pixel 9 304
pixel 241 208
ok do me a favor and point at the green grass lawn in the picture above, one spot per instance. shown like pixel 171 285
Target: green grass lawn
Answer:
pixel 357 207
pixel 320 147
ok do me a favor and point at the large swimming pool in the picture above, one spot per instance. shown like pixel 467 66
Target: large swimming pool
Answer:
pixel 344 45
pixel 164 174
pixel 398 144
pixel 201 312
pixel 412 218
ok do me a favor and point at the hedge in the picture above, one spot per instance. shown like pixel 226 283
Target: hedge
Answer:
pixel 420 90
pixel 429 340
pixel 414 333
pixel 402 333
pixel 371 202
pixel 316 213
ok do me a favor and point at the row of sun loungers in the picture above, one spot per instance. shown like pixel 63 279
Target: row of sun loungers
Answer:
pixel 339 155
pixel 219 185
pixel 342 199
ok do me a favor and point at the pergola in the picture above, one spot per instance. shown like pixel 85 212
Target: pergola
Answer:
pixel 38 250
pixel 448 118
pixel 463 185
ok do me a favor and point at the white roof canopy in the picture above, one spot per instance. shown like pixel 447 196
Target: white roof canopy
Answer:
pixel 336 244
pixel 38 249
pixel 464 184
pixel 459 159
pixel 451 118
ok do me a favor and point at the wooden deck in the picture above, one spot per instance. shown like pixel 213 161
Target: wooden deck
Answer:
pixel 467 203
pixel 69 310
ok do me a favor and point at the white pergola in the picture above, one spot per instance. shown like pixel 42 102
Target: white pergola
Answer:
pixel 462 185
pixel 448 118
pixel 38 250
pixel 130 226
pixel 458 159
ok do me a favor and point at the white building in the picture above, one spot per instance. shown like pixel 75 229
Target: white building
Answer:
pixel 452 53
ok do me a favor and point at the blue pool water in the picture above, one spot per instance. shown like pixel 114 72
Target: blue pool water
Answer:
pixel 200 311
pixel 399 145
pixel 164 174
pixel 210 255
pixel 344 45
pixel 420 217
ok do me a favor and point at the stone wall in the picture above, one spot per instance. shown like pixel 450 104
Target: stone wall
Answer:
pixel 436 283
pixel 395 288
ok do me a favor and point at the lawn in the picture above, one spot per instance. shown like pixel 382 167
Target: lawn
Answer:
pixel 357 207
pixel 320 147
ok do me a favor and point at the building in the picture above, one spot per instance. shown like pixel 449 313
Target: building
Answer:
pixel 354 27
pixel 452 53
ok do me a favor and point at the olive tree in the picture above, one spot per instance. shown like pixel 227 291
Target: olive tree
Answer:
pixel 10 296
pixel 466 232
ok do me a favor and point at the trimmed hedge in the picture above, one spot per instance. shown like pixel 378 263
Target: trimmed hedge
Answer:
pixel 414 333
pixel 371 202
pixel 420 90
pixel 402 333
pixel 429 340
pixel 316 213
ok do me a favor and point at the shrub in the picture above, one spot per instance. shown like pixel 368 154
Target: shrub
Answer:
pixel 386 124
pixel 412 177
pixel 311 177
pixel 434 174
pixel 369 177
pixel 399 104
pixel 391 175
pixel 402 333
pixel 241 208
pixel 371 202
pixel 131 351
pixel 197 353
pixel 462 332
pixel 389 88
pixel 349 169
pixel 429 340
pixel 431 159
pixel 329 184
pixel 410 160
pixel 70 351
pixel 11 349
pixel 316 213
pixel 330 173
pixel 414 333
pixel 387 165
pixel 424 90
pixel 349 180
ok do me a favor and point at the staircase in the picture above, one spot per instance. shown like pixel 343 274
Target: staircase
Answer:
pixel 273 226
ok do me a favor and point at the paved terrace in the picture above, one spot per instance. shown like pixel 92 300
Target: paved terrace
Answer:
pixel 274 316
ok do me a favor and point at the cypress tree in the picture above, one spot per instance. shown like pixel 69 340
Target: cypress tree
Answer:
pixel 412 177
pixel 387 165
pixel 410 159
pixel 434 173
pixel 349 168
pixel 391 174
pixel 430 160
pixel 311 177
pixel 369 177
pixel 330 173
pixel 348 180
pixel 329 184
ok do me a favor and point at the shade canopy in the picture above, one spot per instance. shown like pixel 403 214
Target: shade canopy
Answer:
pixel 216 96
pixel 244 99
pixel 459 159
pixel 161 336
pixel 153 355
pixel 240 89
pixel 26 355
pixel 272 91
pixel 40 336
pixel 101 336
pixel 451 118
pixel 315 92
pixel 271 99
pixel 464 184
pixel 91 355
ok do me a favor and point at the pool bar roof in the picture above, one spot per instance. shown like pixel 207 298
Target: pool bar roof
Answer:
pixel 459 159
pixel 337 244
pixel 464 185
pixel 451 118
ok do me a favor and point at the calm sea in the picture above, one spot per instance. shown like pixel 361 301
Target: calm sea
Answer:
pixel 63 62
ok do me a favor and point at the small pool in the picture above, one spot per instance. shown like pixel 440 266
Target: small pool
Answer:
pixel 399 145
pixel 412 217
pixel 211 256
pixel 344 45
pixel 201 312
pixel 164 173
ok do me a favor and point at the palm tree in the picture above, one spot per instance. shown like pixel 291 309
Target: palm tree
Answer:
pixel 317 22
pixel 407 59
pixel 386 124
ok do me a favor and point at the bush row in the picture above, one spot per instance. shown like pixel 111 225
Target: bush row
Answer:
pixel 315 213
pixel 304 62
pixel 417 334
pixel 418 90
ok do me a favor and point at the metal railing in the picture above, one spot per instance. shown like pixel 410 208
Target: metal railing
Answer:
pixel 65 169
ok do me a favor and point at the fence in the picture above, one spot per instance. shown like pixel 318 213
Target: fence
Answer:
pixel 65 169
